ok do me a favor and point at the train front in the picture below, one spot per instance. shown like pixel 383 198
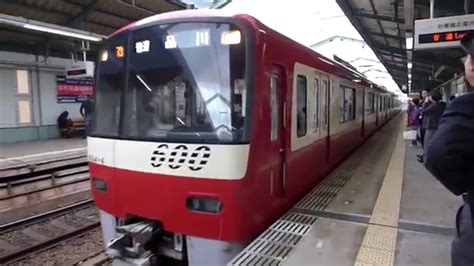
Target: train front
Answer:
pixel 170 144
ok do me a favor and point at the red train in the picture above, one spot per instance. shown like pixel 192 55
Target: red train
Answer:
pixel 209 126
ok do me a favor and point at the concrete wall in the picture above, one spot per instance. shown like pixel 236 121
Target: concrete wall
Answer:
pixel 8 115
pixel 44 107
pixel 50 107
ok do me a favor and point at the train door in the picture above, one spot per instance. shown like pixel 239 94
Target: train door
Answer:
pixel 278 125
pixel 362 132
pixel 377 110
pixel 325 96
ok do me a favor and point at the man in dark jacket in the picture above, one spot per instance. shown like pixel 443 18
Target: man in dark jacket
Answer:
pixel 450 159
pixel 431 116
pixel 87 111
pixel 65 125
pixel 424 104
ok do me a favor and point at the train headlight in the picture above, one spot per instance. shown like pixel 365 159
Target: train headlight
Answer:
pixel 104 56
pixel 203 204
pixel 231 37
pixel 99 184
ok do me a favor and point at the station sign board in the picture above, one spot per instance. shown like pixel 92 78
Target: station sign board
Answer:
pixel 444 32
pixel 80 69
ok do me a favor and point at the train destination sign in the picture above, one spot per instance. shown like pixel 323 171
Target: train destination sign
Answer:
pixel 442 32
pixel 440 37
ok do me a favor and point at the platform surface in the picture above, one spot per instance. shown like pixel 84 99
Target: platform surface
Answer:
pixel 25 154
pixel 411 222
pixel 27 148
pixel 426 212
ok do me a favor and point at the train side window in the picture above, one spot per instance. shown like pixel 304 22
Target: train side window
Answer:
pixel 380 103
pixel 370 108
pixel 325 102
pixel 274 107
pixel 301 104
pixel 316 106
pixel 347 105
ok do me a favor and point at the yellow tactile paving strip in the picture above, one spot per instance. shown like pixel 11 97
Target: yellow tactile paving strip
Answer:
pixel 379 243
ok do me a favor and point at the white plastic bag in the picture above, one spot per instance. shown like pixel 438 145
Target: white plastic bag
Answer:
pixel 409 135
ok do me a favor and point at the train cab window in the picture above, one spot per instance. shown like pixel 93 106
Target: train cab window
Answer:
pixel 316 113
pixel 325 102
pixel 274 107
pixel 170 95
pixel 370 108
pixel 347 105
pixel 109 82
pixel 301 104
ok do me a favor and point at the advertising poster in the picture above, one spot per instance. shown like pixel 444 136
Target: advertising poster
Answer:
pixel 74 90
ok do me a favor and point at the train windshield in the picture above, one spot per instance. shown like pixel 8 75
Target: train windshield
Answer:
pixel 181 82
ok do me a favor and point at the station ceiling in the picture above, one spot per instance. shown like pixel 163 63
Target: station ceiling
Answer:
pixel 385 24
pixel 101 17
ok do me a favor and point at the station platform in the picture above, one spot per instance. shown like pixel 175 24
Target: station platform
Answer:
pixel 379 207
pixel 28 148
pixel 32 152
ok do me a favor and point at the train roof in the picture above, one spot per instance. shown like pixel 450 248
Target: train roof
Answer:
pixel 331 66
pixel 180 14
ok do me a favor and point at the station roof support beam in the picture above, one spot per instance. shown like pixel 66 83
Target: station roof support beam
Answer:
pixel 387 36
pixel 379 17
pixel 381 25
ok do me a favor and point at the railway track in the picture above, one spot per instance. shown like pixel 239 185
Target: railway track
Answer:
pixel 21 186
pixel 25 237
pixel 28 181
pixel 100 258
pixel 31 181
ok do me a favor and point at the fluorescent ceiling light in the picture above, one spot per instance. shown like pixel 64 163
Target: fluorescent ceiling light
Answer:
pixel 409 43
pixel 50 28
pixel 409 76
pixel 62 32
pixel 410 65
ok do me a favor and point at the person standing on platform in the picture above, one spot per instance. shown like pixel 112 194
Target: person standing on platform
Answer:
pixel 450 159
pixel 423 105
pixel 451 98
pixel 411 106
pixel 413 118
pixel 431 115
pixel 87 111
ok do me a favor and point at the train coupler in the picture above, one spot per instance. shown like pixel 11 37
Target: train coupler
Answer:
pixel 131 246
